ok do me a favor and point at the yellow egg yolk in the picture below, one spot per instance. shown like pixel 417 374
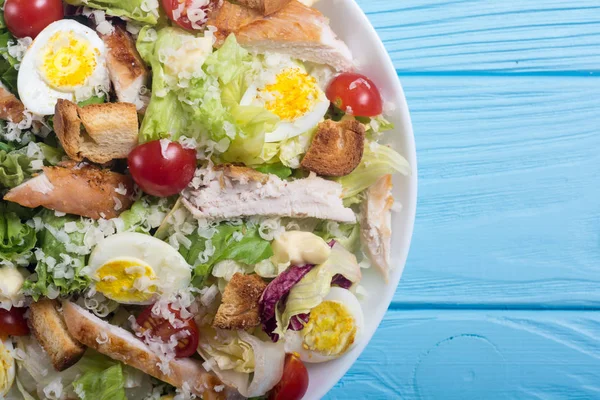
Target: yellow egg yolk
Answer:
pixel 293 94
pixel 330 330
pixel 126 280
pixel 67 61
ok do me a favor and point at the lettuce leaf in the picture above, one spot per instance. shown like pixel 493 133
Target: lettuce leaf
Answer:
pixel 15 165
pixel 230 242
pixel 378 160
pixel 17 239
pixel 137 10
pixel 312 289
pixel 226 349
pixel 108 384
pixel 57 268
pixel 206 106
pixel 277 169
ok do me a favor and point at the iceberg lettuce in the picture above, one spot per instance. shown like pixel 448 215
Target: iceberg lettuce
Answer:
pixel 146 11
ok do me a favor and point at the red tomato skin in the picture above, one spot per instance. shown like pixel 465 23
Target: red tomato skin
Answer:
pixel 357 92
pixel 161 174
pixel 294 382
pixel 163 329
pixel 183 21
pixel 13 322
pixel 29 17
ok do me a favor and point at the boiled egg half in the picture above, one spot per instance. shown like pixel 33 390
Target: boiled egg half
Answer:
pixel 293 95
pixel 333 328
pixel 133 268
pixel 67 60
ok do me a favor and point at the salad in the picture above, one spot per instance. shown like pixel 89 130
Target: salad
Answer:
pixel 190 193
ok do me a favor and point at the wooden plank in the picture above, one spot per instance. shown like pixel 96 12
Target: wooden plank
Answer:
pixel 512 36
pixel 508 210
pixel 478 355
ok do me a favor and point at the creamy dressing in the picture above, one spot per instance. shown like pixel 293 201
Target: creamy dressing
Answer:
pixel 11 282
pixel 300 248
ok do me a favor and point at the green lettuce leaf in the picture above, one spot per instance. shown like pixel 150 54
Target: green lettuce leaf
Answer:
pixel 17 239
pixel 108 384
pixel 227 349
pixel 51 242
pixel 15 165
pixel 276 169
pixel 238 243
pixel 132 9
pixel 8 71
pixel 348 235
pixel 146 214
pixel 378 160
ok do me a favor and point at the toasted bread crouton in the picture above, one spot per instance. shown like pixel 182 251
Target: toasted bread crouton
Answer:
pixel 265 7
pixel 49 327
pixel 239 309
pixel 111 130
pixel 336 149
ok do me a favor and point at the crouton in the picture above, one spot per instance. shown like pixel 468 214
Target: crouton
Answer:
pixel 336 149
pixel 265 7
pixel 49 328
pixel 111 130
pixel 239 309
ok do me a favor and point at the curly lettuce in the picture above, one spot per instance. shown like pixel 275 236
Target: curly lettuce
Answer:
pixel 17 165
pixel 202 100
pixel 17 239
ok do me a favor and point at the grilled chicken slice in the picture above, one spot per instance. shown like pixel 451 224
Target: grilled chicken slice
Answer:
pixel 11 108
pixel 233 192
pixel 122 345
pixel 127 70
pixel 297 30
pixel 78 189
pixel 239 308
pixel 376 226
pixel 265 7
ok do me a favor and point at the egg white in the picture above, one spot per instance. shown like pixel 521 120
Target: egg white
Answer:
pixel 285 129
pixel 172 272
pixel 37 96
pixel 10 372
pixel 294 339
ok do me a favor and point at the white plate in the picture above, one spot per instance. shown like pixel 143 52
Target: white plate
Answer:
pixel 352 26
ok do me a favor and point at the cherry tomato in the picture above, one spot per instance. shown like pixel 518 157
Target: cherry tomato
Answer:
pixel 162 169
pixel 293 383
pixel 162 328
pixel 182 9
pixel 29 17
pixel 355 94
pixel 13 322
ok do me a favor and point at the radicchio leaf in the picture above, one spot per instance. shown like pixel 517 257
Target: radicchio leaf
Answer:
pixel 275 291
pixel 341 281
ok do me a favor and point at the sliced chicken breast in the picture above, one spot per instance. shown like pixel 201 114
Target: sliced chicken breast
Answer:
pixel 11 108
pixel 122 345
pixel 376 225
pixel 297 30
pixel 234 192
pixel 128 73
pixel 78 189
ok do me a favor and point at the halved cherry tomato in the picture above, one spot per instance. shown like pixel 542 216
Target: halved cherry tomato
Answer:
pixel 29 17
pixel 355 94
pixel 186 14
pixel 162 328
pixel 162 169
pixel 13 322
pixel 294 382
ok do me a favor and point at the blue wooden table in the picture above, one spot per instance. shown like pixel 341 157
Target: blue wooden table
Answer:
pixel 500 298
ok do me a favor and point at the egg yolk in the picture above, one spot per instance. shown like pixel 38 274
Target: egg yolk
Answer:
pixel 67 61
pixel 293 94
pixel 330 330
pixel 126 280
